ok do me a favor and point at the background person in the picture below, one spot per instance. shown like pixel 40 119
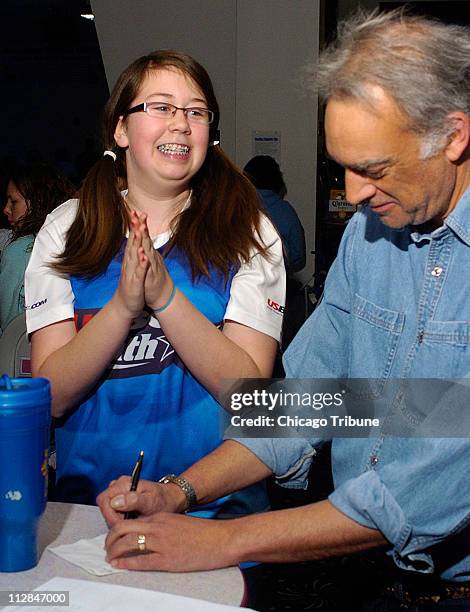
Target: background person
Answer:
pixel 265 174
pixel 33 191
pixel 5 237
pixel 137 334
pixel 395 306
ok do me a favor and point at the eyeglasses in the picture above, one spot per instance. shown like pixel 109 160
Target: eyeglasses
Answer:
pixel 163 110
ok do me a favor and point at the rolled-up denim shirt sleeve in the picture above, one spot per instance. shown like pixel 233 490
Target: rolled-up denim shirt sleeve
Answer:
pixel 288 458
pixel 415 505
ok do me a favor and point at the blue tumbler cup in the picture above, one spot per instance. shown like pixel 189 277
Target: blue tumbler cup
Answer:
pixel 25 415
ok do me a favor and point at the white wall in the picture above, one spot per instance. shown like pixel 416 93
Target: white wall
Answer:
pixel 254 51
pixel 276 39
pixel 206 29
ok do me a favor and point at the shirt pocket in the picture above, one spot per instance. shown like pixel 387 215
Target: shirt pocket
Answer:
pixel 444 350
pixel 375 336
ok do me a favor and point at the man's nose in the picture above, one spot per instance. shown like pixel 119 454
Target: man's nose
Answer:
pixel 358 188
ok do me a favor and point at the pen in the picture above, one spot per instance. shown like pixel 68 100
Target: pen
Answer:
pixel 135 481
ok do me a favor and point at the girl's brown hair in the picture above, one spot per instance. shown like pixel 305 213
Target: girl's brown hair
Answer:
pixel 44 188
pixel 220 227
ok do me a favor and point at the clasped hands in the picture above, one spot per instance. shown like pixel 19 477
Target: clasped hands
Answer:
pixel 174 542
pixel 144 278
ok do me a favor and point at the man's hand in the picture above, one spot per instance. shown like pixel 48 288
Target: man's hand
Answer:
pixel 150 498
pixel 173 543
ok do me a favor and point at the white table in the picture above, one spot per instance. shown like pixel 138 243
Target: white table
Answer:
pixel 67 523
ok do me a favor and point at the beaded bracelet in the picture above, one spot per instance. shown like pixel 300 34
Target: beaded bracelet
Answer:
pixel 165 306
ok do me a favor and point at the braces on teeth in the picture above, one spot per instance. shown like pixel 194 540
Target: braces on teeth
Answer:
pixel 173 148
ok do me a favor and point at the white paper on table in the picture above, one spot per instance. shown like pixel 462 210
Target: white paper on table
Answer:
pixel 86 595
pixel 90 555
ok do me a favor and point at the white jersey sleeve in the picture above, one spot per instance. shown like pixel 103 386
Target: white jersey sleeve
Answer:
pixel 48 294
pixel 257 295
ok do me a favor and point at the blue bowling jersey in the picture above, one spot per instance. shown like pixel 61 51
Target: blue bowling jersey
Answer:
pixel 147 400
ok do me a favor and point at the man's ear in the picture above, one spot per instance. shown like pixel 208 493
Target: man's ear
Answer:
pixel 120 134
pixel 460 137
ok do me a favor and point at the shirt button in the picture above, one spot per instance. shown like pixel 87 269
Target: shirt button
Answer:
pixel 374 460
pixel 437 271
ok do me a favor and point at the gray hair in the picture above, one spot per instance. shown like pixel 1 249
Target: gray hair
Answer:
pixel 423 64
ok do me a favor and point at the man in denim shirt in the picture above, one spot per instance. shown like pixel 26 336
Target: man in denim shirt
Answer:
pixel 396 305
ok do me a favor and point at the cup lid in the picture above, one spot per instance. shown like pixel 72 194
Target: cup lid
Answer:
pixel 23 392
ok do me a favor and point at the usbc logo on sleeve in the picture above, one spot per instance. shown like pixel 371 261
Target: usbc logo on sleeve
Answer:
pixel 275 307
pixel 145 351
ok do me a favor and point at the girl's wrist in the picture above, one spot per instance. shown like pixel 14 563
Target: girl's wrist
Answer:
pixel 117 306
pixel 167 297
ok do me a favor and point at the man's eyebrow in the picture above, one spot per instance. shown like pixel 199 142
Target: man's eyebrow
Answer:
pixel 364 166
pixel 370 164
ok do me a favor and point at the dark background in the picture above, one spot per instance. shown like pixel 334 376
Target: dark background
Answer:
pixel 53 85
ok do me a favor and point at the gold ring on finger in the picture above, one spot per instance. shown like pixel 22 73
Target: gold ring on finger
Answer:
pixel 141 542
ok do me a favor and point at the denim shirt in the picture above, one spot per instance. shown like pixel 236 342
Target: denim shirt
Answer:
pixel 396 305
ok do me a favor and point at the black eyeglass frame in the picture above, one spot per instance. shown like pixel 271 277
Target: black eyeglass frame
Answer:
pixel 144 106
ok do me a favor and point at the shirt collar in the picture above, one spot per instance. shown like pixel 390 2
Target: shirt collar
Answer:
pixel 458 221
pixel 459 218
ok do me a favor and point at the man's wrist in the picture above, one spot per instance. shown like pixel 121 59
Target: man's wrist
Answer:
pixel 183 494
pixel 174 500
